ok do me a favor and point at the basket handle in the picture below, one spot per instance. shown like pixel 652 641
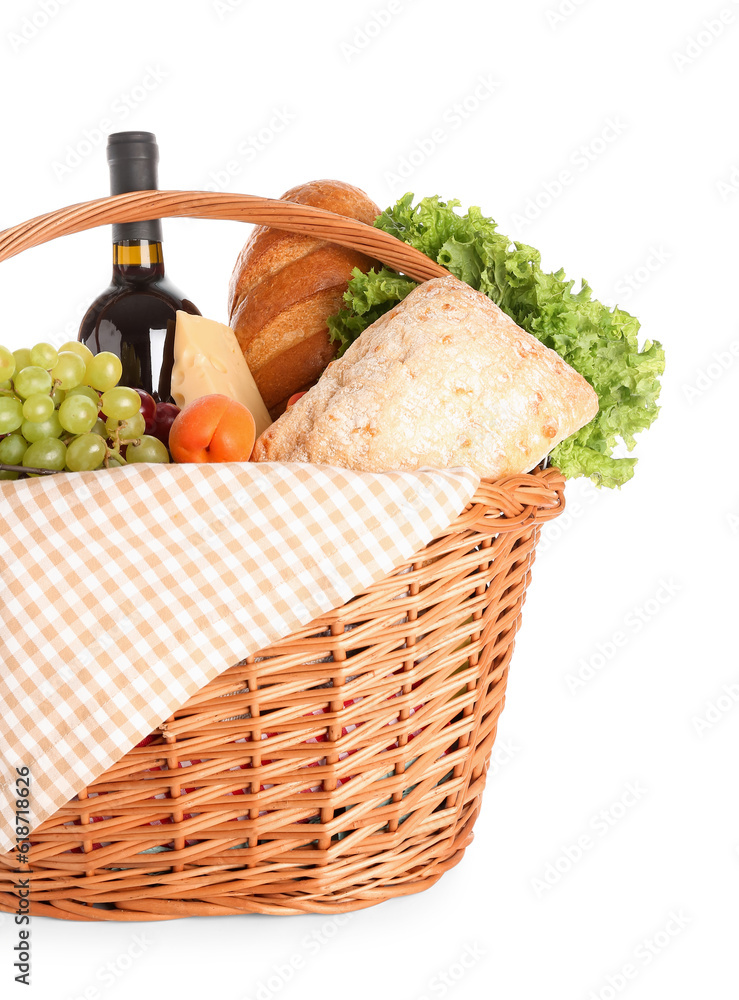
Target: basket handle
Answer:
pixel 138 206
pixel 141 205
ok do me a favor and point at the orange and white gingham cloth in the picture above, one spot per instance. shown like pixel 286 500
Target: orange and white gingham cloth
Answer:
pixel 124 591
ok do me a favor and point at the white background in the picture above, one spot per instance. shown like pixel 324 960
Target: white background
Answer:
pixel 656 561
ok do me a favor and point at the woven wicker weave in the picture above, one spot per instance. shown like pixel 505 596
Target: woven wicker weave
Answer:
pixel 343 765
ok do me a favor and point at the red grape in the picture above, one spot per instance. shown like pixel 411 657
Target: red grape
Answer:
pixel 148 409
pixel 165 414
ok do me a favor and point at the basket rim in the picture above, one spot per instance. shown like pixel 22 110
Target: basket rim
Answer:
pixel 535 496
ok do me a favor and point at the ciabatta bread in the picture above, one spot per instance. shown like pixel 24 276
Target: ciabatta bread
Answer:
pixel 444 379
pixel 283 288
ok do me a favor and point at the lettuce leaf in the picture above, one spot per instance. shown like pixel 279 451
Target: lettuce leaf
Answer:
pixel 600 343
pixel 369 297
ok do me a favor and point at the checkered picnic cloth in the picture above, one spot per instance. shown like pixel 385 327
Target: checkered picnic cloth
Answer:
pixel 124 591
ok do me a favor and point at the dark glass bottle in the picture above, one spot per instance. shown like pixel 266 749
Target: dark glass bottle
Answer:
pixel 134 317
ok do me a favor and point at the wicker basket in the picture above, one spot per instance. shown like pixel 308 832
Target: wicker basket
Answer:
pixel 343 765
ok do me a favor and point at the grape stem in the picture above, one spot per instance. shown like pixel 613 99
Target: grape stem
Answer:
pixel 116 456
pixel 114 452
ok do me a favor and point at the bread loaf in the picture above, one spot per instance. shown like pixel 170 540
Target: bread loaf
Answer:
pixel 283 288
pixel 443 379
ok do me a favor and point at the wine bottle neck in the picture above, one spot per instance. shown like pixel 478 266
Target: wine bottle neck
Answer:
pixel 135 232
pixel 133 159
pixel 138 259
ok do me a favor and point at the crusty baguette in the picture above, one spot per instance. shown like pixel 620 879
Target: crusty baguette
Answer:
pixel 443 379
pixel 283 288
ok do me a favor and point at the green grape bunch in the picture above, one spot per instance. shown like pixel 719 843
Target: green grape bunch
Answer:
pixel 62 410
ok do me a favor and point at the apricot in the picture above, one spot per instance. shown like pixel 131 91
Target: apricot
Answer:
pixel 213 428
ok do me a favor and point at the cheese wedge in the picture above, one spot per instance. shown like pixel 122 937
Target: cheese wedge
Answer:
pixel 208 359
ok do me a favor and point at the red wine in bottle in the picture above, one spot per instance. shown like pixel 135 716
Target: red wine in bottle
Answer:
pixel 134 317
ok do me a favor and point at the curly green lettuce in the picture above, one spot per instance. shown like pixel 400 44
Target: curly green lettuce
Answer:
pixel 598 342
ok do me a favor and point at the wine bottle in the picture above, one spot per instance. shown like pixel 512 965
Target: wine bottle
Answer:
pixel 134 317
